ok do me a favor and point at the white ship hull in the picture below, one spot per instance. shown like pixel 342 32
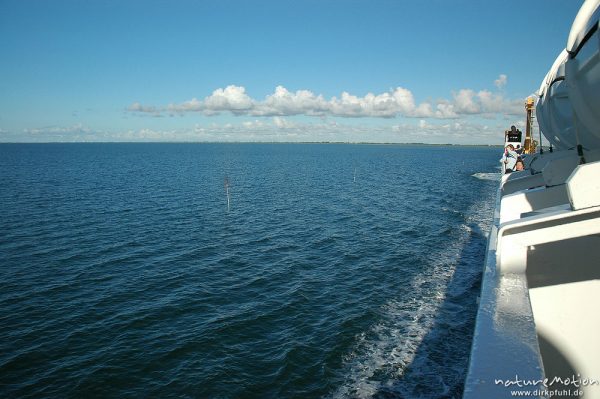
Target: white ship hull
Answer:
pixel 538 323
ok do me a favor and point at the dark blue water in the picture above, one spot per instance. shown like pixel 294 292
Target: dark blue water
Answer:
pixel 338 270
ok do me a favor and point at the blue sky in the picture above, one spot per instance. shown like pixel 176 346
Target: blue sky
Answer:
pixel 437 71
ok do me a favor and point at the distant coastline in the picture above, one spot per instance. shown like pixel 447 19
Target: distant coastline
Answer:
pixel 256 142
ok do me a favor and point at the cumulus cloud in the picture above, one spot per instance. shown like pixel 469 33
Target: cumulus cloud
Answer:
pixel 285 103
pixel 282 102
pixel 484 102
pixel 397 102
pixel 501 81
pixel 232 98
pixel 445 110
pixel 465 102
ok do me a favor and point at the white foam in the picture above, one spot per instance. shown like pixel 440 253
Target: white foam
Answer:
pixel 481 213
pixel 487 176
pixel 390 346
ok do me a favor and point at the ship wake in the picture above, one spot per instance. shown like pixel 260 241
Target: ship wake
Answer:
pixel 420 346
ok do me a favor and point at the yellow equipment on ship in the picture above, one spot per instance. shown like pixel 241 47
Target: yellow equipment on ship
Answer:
pixel 530 144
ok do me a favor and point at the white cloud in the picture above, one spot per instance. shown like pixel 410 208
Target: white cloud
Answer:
pixel 285 103
pixel 253 124
pixel 59 130
pixel 496 103
pixel 232 98
pixel 137 107
pixel 445 110
pixel 484 102
pixel 465 103
pixel 282 123
pixel 187 106
pixel 456 132
pixel 501 81
pixel 398 102
pixel 282 102
pixel 280 129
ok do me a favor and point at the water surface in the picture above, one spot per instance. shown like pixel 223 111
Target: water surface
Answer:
pixel 337 271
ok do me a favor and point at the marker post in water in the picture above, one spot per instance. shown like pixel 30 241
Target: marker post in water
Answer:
pixel 227 191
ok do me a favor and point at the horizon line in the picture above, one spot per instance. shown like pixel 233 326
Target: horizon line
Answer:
pixel 252 142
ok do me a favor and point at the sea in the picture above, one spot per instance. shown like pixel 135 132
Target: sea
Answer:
pixel 195 270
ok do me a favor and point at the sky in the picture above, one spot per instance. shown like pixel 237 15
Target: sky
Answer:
pixel 429 71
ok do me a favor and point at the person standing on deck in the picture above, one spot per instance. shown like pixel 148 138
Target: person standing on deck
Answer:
pixel 509 159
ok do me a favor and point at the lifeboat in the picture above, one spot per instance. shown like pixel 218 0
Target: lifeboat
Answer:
pixel 582 70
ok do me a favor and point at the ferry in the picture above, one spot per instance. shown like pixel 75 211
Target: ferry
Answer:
pixel 537 332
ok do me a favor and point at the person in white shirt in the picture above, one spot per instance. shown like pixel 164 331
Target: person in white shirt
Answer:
pixel 509 159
